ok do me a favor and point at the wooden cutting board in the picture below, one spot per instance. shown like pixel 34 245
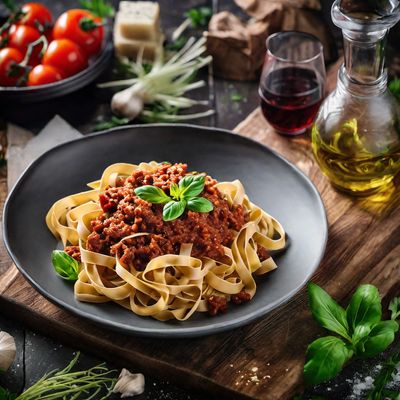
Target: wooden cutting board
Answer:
pixel 265 359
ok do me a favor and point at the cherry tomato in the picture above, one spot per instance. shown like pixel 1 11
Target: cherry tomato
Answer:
pixel 8 58
pixel 83 28
pixel 20 38
pixel 43 74
pixel 65 55
pixel 36 15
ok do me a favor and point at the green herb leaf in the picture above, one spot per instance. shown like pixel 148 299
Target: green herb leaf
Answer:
pixel 394 307
pixel 365 307
pixel 10 5
pixel 325 358
pixel 236 97
pixel 384 378
pixel 200 204
pixel 98 7
pixel 199 16
pixel 175 191
pixel 6 394
pixel 326 311
pixel 152 194
pixel 394 87
pixel 380 337
pixel 173 210
pixel 112 123
pixel 191 186
pixel 361 332
pixel 65 266
pixel 94 383
pixel 178 44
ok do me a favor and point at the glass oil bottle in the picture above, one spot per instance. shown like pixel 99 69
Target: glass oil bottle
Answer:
pixel 356 135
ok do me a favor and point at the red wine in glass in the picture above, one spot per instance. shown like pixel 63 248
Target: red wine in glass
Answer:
pixel 290 98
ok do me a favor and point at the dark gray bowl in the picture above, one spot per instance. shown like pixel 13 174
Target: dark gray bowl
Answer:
pixel 270 181
pixel 31 94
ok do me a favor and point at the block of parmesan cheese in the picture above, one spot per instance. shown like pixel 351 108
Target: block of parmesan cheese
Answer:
pixel 139 20
pixel 125 47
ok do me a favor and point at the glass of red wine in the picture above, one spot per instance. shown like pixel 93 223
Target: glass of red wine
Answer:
pixel 292 81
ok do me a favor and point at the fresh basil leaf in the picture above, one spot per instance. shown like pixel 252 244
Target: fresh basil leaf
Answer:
pixel 174 191
pixel 173 210
pixel 365 307
pixel 152 194
pixel 326 311
pixel 394 307
pixel 325 358
pixel 65 266
pixel 191 186
pixel 380 337
pixel 200 204
pixel 361 332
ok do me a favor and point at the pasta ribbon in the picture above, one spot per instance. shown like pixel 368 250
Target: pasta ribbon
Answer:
pixel 172 286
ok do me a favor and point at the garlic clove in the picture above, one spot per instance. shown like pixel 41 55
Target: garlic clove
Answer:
pixel 127 103
pixel 129 384
pixel 8 350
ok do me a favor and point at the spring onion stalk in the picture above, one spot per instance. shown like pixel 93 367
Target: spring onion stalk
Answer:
pixel 164 85
pixel 94 383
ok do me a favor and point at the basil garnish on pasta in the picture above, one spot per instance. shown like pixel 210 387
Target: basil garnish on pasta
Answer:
pixel 65 266
pixel 182 196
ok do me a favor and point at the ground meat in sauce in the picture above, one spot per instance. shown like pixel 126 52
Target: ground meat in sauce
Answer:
pixel 216 305
pixel 126 214
pixel 74 252
pixel 241 297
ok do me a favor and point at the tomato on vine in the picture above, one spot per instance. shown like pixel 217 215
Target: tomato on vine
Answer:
pixel 21 36
pixel 36 15
pixel 65 55
pixel 83 28
pixel 44 74
pixel 9 72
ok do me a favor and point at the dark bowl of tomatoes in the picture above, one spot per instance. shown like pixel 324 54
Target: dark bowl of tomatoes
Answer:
pixel 40 60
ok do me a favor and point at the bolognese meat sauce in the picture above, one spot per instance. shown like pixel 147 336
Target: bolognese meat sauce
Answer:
pixel 125 214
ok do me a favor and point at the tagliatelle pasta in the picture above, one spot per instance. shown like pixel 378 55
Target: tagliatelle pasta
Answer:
pixel 169 286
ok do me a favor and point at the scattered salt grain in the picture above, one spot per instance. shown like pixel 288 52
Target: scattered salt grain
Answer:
pixel 360 386
pixel 254 369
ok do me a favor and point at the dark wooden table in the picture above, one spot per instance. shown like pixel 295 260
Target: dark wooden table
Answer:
pixel 37 354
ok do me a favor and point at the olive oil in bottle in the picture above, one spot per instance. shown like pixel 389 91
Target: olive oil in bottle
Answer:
pixel 350 166
pixel 356 135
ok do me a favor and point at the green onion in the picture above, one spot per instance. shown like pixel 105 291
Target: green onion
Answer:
pixel 162 87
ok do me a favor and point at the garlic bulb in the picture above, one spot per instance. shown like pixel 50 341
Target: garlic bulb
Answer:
pixel 129 384
pixel 7 350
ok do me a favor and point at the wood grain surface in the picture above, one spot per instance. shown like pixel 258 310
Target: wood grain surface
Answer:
pixel 263 360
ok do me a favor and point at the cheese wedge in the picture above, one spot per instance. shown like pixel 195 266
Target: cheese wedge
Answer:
pixel 125 47
pixel 139 20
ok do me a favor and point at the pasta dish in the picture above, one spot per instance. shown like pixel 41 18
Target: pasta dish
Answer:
pixel 164 242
